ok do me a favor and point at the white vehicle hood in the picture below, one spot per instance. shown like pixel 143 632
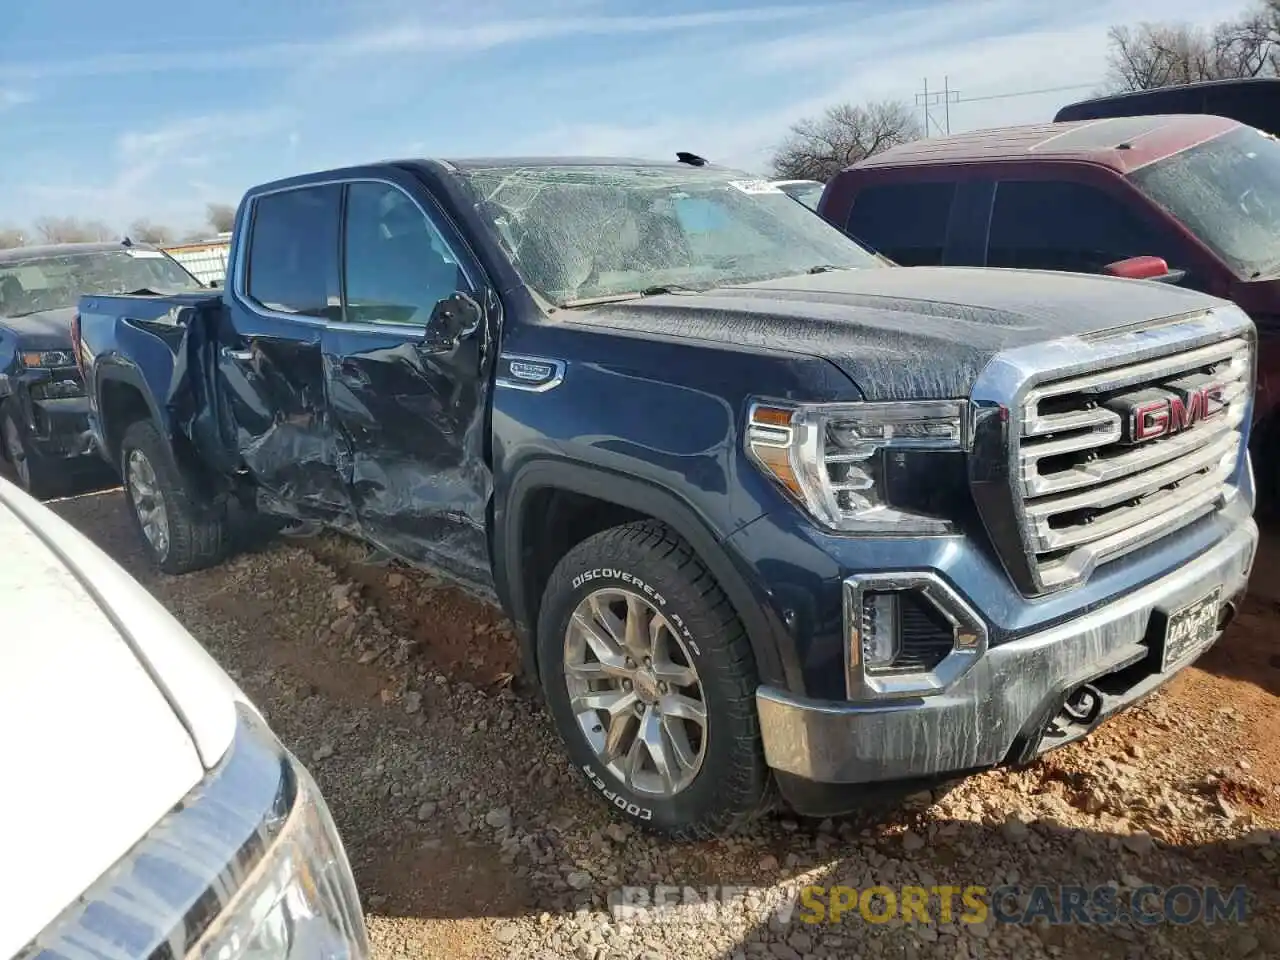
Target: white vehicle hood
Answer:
pixel 92 754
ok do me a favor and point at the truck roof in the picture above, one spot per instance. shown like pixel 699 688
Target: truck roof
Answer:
pixel 472 163
pixel 1139 96
pixel 439 164
pixel 1123 143
pixel 55 249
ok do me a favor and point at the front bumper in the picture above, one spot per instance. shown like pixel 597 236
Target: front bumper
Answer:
pixel 998 709
pixel 59 429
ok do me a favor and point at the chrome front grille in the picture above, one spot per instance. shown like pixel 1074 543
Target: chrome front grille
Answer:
pixel 1096 472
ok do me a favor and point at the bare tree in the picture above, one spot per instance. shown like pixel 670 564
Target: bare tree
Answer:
pixel 144 230
pixel 11 237
pixel 1152 55
pixel 71 230
pixel 818 148
pixel 220 216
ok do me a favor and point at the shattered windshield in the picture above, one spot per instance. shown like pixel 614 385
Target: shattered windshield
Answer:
pixel 54 282
pixel 588 233
pixel 1227 192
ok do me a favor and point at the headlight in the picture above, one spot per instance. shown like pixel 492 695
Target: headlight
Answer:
pixel 248 865
pixel 831 457
pixel 48 358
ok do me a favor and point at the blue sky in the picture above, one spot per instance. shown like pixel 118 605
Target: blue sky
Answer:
pixel 120 110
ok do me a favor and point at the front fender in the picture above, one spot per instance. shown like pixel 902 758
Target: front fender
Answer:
pixel 775 655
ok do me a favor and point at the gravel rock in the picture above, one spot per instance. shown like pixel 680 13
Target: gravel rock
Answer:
pixel 498 818
pixel 412 702
pixel 507 933
pixel 322 752
pixel 578 879
pixel 1015 830
pixel 1139 843
pixel 427 810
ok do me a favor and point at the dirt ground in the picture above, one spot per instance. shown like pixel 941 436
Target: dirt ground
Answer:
pixel 471 837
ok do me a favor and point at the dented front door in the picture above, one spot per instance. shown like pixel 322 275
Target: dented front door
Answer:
pixel 411 403
pixel 270 362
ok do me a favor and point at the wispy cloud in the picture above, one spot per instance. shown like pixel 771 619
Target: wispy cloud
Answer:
pixel 983 46
pixel 150 162
pixel 408 36
pixel 13 98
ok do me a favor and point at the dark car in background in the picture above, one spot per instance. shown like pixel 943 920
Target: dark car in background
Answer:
pixel 1254 101
pixel 44 425
pixel 1194 200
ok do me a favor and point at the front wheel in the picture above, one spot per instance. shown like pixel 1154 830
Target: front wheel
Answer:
pixel 650 680
pixel 28 466
pixel 180 529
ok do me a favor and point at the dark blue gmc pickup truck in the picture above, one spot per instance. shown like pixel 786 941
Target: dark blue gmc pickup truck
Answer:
pixel 763 509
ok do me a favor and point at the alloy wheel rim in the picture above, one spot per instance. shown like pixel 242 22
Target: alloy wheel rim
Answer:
pixel 148 502
pixel 635 692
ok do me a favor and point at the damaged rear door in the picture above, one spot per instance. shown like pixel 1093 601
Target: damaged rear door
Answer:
pixel 406 379
pixel 271 364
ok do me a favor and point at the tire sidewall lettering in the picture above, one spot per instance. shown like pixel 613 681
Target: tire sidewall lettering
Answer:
pixel 612 574
pixel 628 807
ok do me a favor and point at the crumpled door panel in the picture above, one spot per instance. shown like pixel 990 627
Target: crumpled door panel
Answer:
pixel 416 418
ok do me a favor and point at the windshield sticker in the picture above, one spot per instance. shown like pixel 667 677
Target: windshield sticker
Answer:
pixel 754 186
pixel 146 254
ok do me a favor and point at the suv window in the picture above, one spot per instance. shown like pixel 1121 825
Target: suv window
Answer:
pixel 398 266
pixel 1058 225
pixel 907 222
pixel 293 251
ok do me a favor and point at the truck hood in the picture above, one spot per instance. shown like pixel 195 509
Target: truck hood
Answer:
pixel 903 333
pixel 49 330
pixel 93 754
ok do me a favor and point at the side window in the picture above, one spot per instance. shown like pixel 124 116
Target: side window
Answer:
pixel 398 266
pixel 1056 225
pixel 293 251
pixel 907 222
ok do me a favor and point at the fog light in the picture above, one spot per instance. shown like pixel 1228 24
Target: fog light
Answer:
pixel 879 638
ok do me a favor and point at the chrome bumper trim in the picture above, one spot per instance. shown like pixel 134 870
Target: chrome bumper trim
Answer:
pixel 1005 694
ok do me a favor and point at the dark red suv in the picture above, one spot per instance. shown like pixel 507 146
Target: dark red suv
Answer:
pixel 1200 193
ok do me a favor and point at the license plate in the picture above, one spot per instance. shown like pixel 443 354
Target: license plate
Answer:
pixel 1191 629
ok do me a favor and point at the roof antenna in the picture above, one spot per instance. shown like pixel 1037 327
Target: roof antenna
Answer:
pixel 125 241
pixel 683 156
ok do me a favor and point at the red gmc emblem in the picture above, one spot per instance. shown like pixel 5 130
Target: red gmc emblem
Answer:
pixel 1163 416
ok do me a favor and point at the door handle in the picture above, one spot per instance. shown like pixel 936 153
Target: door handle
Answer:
pixel 244 356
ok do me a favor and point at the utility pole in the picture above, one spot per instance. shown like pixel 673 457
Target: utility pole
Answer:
pixel 929 100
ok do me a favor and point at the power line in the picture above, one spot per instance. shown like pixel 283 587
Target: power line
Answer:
pixel 1028 93
pixel 929 100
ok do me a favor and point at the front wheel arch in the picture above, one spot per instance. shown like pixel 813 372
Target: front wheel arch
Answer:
pixel 774 653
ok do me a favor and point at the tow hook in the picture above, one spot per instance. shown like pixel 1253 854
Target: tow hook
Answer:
pixel 1083 705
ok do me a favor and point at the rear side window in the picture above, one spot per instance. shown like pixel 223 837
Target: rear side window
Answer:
pixel 907 222
pixel 293 251
pixel 1058 225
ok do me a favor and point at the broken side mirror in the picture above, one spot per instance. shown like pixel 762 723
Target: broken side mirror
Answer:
pixel 454 317
pixel 1144 268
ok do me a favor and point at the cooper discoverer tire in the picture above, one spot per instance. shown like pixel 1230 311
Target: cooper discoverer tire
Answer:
pixel 180 530
pixel 689 657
